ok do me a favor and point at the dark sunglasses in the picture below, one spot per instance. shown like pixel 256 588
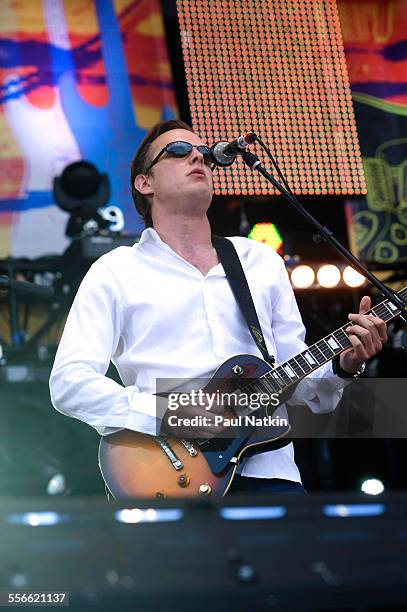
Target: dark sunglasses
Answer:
pixel 182 149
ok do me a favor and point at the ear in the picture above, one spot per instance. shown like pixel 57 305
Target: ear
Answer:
pixel 142 184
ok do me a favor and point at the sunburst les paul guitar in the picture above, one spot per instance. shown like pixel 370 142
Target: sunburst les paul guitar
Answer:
pixel 138 465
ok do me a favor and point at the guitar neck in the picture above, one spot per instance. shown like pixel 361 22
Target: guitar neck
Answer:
pixel 296 368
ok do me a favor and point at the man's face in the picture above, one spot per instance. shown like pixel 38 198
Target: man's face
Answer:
pixel 174 179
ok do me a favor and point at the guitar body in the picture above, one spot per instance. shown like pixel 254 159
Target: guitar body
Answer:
pixel 133 465
pixel 138 465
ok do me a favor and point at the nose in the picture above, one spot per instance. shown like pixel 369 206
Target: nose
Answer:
pixel 196 157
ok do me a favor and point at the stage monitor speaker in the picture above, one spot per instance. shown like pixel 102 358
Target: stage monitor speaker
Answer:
pixel 332 552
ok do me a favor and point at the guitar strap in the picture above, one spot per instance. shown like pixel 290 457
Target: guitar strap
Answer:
pixel 238 282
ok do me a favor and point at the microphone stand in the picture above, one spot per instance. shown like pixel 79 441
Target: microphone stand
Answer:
pixel 254 163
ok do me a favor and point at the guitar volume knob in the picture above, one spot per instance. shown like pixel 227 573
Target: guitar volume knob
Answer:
pixel 205 489
pixel 183 480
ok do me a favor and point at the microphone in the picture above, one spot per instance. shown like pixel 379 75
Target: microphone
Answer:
pixel 224 153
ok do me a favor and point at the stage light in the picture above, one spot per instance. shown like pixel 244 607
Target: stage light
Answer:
pixel 255 513
pixel 35 519
pixel 57 485
pixel 328 276
pixel 349 510
pixel 302 277
pixel 352 278
pixel 129 515
pixel 372 486
pixel 150 515
pixel 82 190
pixel 317 275
pixel 267 233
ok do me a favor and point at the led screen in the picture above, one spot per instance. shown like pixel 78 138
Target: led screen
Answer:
pixel 278 68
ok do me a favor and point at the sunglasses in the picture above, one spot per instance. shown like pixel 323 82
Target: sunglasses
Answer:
pixel 182 149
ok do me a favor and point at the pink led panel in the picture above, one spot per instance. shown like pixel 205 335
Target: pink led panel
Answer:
pixel 276 67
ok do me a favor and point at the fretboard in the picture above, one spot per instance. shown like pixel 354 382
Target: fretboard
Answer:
pixel 283 376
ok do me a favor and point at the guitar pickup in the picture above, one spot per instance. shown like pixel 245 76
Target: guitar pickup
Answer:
pixel 166 448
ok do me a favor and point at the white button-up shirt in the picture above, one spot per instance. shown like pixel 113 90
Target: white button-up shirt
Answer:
pixel 154 315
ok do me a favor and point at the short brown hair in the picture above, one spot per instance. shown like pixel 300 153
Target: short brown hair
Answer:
pixel 141 160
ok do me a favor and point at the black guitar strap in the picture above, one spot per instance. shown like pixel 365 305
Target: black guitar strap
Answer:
pixel 238 282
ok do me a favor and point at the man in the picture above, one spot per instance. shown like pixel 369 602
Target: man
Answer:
pixel 164 308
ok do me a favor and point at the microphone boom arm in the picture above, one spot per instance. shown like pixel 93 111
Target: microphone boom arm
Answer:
pixel 254 163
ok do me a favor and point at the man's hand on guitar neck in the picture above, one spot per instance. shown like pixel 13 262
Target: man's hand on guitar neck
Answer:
pixel 192 422
pixel 367 336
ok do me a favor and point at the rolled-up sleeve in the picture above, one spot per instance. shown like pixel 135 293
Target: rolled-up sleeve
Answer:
pixel 79 386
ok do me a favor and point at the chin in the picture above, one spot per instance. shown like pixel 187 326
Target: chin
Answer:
pixel 200 187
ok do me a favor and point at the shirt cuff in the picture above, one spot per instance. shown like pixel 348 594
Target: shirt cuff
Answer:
pixel 148 415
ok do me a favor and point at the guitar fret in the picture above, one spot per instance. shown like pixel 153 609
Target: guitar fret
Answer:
pixel 386 310
pixel 282 374
pixel 391 309
pixel 257 387
pixel 325 349
pixel 333 344
pixel 289 371
pixel 293 365
pixel 385 315
pixel 342 337
pixel 303 363
pixel 317 353
pixel 309 358
pixel 252 387
pixel 276 379
pixel 382 311
pixel 268 384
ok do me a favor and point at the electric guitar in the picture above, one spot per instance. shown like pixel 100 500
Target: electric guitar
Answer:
pixel 138 465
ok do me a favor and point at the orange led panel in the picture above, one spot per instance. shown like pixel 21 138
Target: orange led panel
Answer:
pixel 277 68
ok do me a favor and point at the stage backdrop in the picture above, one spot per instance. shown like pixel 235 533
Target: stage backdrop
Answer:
pixel 375 37
pixel 276 67
pixel 80 79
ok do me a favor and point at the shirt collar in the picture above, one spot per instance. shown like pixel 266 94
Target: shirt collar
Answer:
pixel 150 235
